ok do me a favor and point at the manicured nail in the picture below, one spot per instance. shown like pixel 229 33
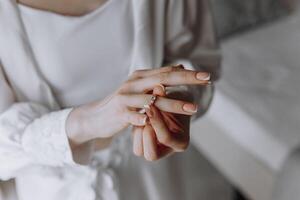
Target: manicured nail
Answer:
pixel 162 87
pixel 190 108
pixel 203 76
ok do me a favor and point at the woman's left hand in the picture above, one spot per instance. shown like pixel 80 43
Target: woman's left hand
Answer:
pixel 165 133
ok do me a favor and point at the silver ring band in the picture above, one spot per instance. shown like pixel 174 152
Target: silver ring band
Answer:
pixel 152 101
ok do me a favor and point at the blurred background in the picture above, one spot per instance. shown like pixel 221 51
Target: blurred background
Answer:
pixel 251 133
pixel 232 17
pixel 249 139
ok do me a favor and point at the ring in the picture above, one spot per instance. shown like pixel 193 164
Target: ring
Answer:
pixel 152 101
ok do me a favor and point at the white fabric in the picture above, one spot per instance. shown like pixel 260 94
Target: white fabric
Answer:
pixel 57 41
pixel 47 68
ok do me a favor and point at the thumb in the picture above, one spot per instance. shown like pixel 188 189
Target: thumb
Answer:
pixel 159 90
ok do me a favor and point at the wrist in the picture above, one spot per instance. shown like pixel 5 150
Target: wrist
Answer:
pixel 75 127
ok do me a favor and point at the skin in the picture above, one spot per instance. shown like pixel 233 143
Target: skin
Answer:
pixel 161 131
pixel 65 7
pixel 164 134
pixel 163 122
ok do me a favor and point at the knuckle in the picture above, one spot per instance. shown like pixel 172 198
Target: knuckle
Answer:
pixel 177 68
pixel 185 76
pixel 173 129
pixel 141 119
pixel 169 69
pixel 165 139
pixel 137 152
pixel 183 146
pixel 134 150
pixel 119 98
pixel 151 157
pixel 162 77
pixel 172 68
pixel 127 85
pixel 124 87
pixel 137 72
pixel 120 105
pixel 134 119
pixel 127 117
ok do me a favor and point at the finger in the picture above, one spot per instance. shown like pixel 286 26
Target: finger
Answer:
pixel 149 144
pixel 173 78
pixel 164 151
pixel 159 90
pixel 137 132
pixel 163 134
pixel 150 72
pixel 135 118
pixel 162 103
pixel 172 122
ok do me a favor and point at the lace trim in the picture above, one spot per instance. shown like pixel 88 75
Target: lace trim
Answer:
pixel 46 140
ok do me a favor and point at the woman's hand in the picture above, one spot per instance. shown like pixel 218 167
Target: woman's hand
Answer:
pixel 103 119
pixel 164 134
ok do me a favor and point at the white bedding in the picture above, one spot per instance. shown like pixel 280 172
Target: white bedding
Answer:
pixel 254 121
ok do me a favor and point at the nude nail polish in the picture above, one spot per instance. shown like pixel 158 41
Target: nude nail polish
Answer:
pixel 162 87
pixel 203 76
pixel 191 108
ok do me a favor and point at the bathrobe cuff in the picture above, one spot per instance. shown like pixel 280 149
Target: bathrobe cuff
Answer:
pixel 45 139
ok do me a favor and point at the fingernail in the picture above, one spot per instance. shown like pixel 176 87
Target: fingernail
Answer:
pixel 203 76
pixel 190 108
pixel 162 87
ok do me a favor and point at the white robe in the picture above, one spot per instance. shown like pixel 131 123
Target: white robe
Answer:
pixel 33 143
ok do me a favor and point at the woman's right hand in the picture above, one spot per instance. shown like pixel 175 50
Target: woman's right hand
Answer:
pixel 104 119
